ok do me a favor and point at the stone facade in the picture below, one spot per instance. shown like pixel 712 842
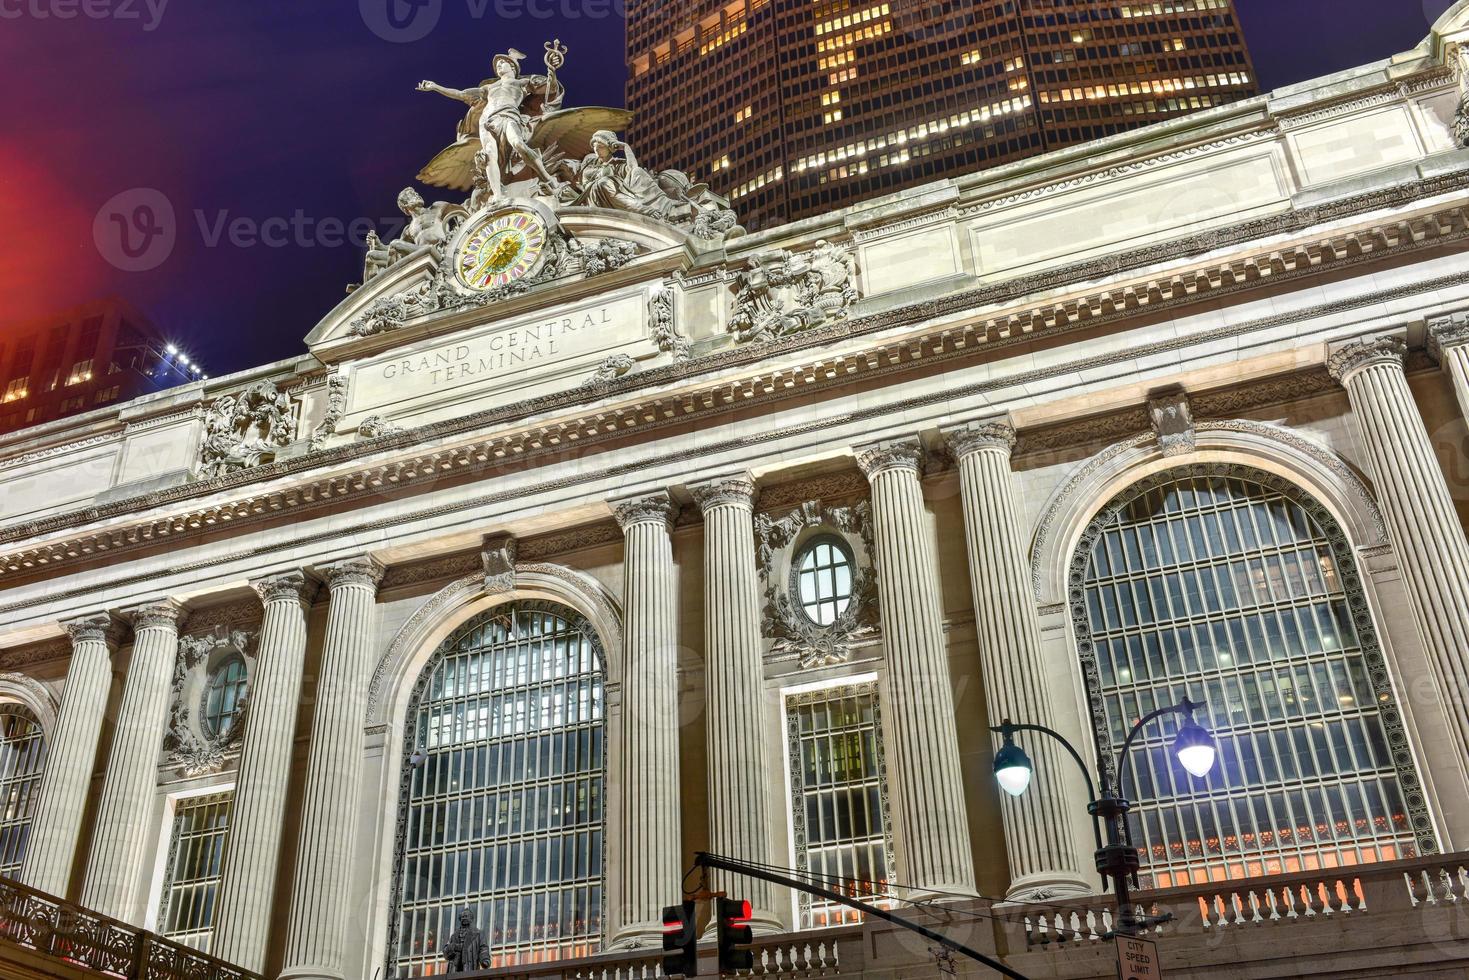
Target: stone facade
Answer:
pixel 936 399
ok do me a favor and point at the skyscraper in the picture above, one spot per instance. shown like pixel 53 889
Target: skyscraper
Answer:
pixel 794 107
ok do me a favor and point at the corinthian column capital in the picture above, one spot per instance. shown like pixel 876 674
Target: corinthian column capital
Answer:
pixel 735 490
pixel 1357 355
pixel 286 587
pixel 975 436
pixel 656 507
pixel 164 614
pixel 897 454
pixel 96 628
pixel 1448 331
pixel 364 570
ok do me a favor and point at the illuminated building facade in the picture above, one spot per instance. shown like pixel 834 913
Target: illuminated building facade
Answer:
pixel 794 107
pixel 81 359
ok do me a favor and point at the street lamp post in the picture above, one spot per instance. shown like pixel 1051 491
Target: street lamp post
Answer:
pixel 1116 858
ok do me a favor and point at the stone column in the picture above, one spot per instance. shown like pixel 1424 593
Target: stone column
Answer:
pixel 125 818
pixel 917 695
pixel 1420 513
pixel 648 843
pixel 320 929
pixel 739 821
pixel 1448 341
pixel 71 756
pixel 1038 838
pixel 252 851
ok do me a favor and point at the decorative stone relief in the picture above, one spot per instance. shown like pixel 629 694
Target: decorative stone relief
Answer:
pixel 612 367
pixel 247 429
pixel 1460 65
pixel 1447 331
pixel 336 407
pixel 600 255
pixel 1359 354
pixel 188 745
pixel 498 557
pixel 1173 421
pixel 377 427
pixel 791 633
pixel 665 326
pixel 657 506
pixel 782 293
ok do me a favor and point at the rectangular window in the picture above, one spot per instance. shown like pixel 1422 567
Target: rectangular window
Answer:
pixel 838 798
pixel 17 389
pixel 80 371
pixel 191 876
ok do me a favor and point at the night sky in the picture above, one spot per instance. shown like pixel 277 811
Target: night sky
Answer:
pixel 304 112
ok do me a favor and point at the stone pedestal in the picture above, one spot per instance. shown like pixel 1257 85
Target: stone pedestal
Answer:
pixel 321 930
pixel 115 871
pixel 252 851
pixel 739 822
pixel 917 696
pixel 650 853
pixel 71 755
pixel 1038 837
pixel 1420 513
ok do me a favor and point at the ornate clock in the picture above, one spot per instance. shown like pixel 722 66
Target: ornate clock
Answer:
pixel 500 248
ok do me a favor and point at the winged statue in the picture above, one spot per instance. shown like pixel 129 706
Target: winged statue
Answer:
pixel 515 131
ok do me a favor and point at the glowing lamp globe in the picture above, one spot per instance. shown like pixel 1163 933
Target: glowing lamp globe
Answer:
pixel 1012 769
pixel 1195 749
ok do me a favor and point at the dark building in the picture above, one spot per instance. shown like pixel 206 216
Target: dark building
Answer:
pixel 82 358
pixel 795 107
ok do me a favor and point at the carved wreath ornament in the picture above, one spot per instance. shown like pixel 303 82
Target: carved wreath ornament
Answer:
pixel 188 743
pixel 792 632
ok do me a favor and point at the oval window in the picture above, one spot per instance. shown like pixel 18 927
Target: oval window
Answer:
pixel 222 699
pixel 824 579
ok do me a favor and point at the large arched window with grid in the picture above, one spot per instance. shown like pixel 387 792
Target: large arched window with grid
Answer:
pixel 22 760
pixel 502 797
pixel 1234 586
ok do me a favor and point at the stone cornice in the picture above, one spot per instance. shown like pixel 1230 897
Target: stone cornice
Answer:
pixel 616 423
pixel 897 454
pixel 655 507
pixel 725 491
pixel 1345 363
pixel 976 436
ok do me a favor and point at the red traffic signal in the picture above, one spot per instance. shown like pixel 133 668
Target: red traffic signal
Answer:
pixel 735 935
pixel 680 941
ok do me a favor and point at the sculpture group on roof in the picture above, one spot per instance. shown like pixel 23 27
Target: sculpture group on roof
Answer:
pixel 516 142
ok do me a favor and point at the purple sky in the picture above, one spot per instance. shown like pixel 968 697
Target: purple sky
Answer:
pixel 299 116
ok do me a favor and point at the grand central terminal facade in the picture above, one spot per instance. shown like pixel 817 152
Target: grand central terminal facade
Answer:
pixel 589 532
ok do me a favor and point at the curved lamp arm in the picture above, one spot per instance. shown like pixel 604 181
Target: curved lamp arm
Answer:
pixel 1184 707
pixel 1008 728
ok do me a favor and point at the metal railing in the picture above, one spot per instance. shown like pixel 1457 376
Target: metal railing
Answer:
pixel 51 928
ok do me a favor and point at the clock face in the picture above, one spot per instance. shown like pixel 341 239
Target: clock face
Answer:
pixel 501 249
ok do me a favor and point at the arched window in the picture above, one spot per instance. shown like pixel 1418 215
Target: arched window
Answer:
pixel 823 573
pixel 1233 586
pixel 22 759
pixel 503 792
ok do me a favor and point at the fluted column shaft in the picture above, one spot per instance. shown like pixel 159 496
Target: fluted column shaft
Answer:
pixel 1449 339
pixel 916 690
pixel 316 946
pixel 649 843
pixel 1420 513
pixel 252 851
pixel 1038 839
pixel 125 816
pixel 739 822
pixel 71 755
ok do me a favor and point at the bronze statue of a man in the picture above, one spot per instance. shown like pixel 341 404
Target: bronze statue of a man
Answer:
pixel 466 950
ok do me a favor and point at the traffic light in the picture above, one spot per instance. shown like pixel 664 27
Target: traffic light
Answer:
pixel 680 941
pixel 734 935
